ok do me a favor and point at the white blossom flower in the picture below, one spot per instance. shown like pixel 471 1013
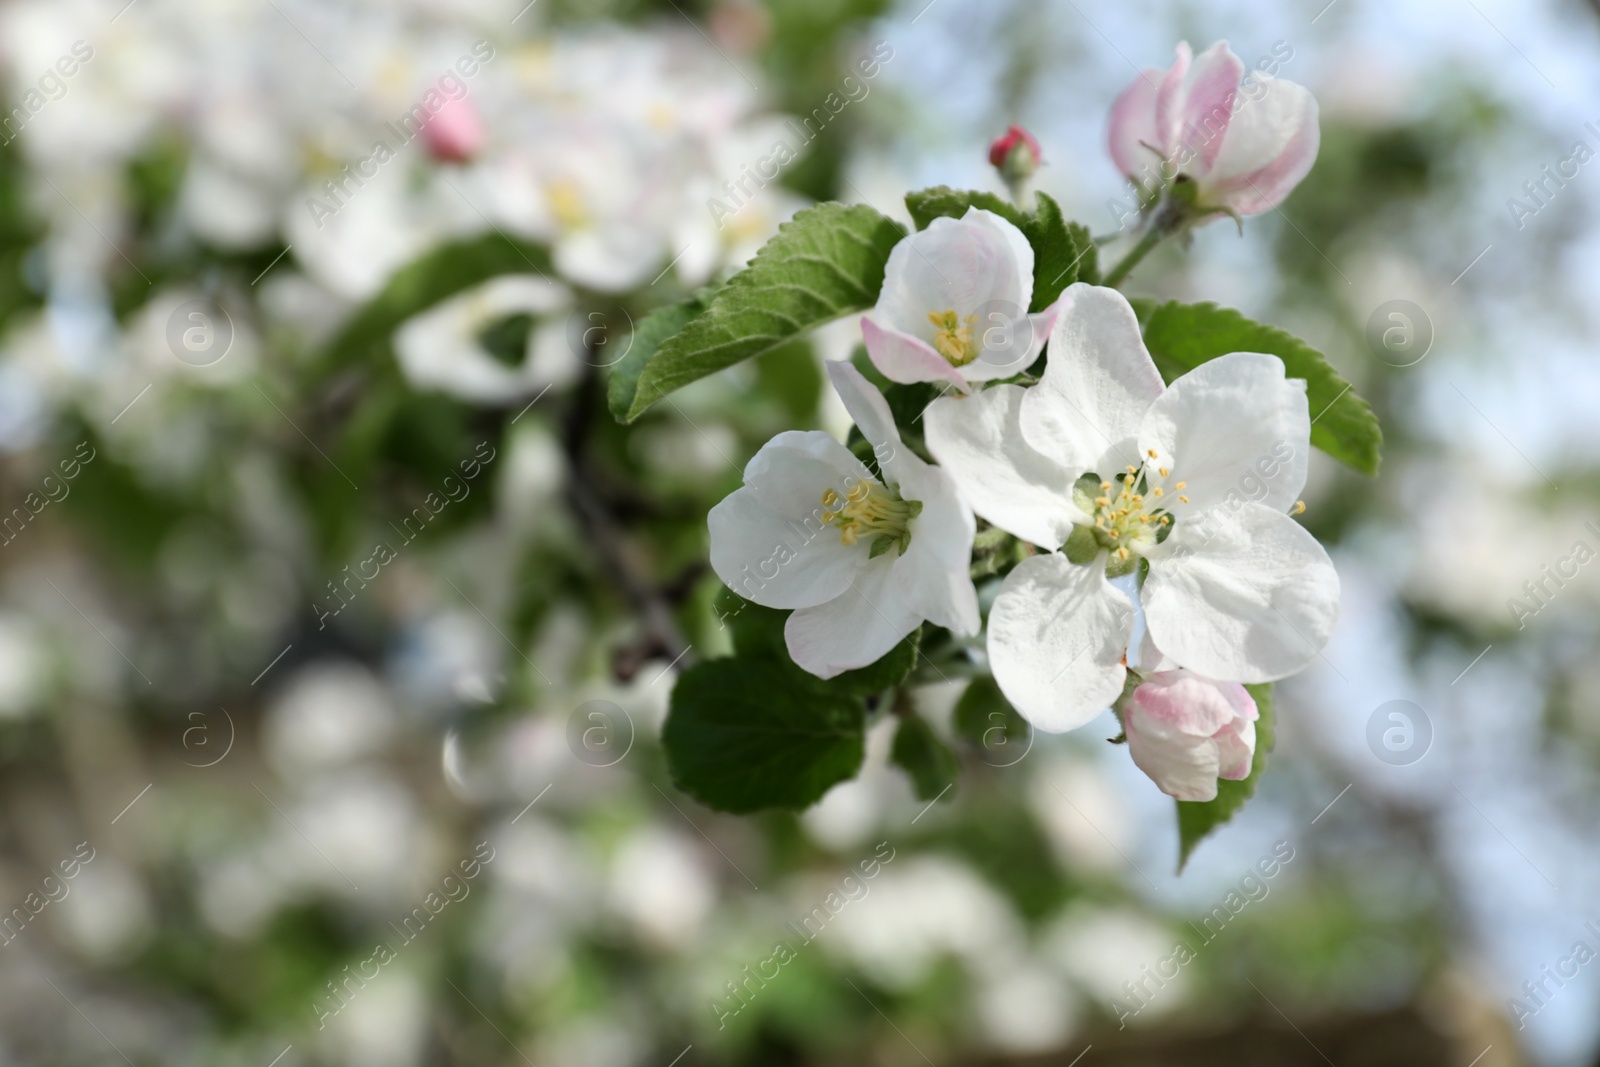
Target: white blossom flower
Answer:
pixel 862 561
pixel 1185 731
pixel 954 304
pixel 1193 480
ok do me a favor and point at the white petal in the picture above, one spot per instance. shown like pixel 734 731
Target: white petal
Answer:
pixel 855 628
pixel 1234 429
pixel 1247 596
pixel 936 568
pixel 1262 128
pixel 1057 634
pixel 1010 346
pixel 793 470
pixel 978 440
pixel 1181 765
pixel 1021 250
pixel 776 561
pixel 870 412
pixel 1098 382
pixel 962 265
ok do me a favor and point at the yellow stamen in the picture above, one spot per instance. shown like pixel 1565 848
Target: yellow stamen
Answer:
pixel 952 338
pixel 870 511
pixel 1182 499
pixel 1299 508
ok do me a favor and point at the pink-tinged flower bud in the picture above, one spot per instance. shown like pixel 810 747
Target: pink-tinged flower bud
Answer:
pixel 1015 154
pixel 1185 731
pixel 455 132
pixel 1244 144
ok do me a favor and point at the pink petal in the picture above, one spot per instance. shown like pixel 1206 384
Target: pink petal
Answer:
pixel 1212 89
pixel 1131 136
pixel 1182 702
pixel 1236 750
pixel 903 358
pixel 1170 98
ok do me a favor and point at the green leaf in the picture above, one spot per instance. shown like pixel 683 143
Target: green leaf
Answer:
pixel 1183 336
pixel 888 672
pixel 740 737
pixel 825 262
pixel 926 759
pixel 653 329
pixel 987 721
pixel 1063 252
pixel 1196 819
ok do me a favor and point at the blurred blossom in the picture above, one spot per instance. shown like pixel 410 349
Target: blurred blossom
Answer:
pixel 1026 1007
pixel 108 914
pixel 359 827
pixel 1080 812
pixel 604 1041
pixel 326 715
pixel 534 472
pixel 24 669
pixel 384 1025
pixel 442 349
pixel 537 858
pixel 1100 948
pixel 919 910
pixel 847 817
pixel 660 885
pixel 681 451
pixel 238 894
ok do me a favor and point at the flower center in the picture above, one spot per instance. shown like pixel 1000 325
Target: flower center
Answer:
pixel 1129 512
pixel 871 511
pixel 566 204
pixel 953 338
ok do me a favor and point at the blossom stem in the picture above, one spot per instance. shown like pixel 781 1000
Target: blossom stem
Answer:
pixel 1152 237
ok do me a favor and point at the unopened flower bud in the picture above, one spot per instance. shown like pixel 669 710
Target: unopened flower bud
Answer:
pixel 455 132
pixel 1015 154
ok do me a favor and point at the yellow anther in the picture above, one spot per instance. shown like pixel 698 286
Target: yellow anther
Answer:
pixel 1103 501
pixel 952 338
pixel 1158 491
pixel 870 510
pixel 1150 452
pixel 1299 508
pixel 1182 499
pixel 1180 485
pixel 1164 471
pixel 1105 487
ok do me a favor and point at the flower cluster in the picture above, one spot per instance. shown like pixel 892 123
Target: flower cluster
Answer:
pixel 1122 490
